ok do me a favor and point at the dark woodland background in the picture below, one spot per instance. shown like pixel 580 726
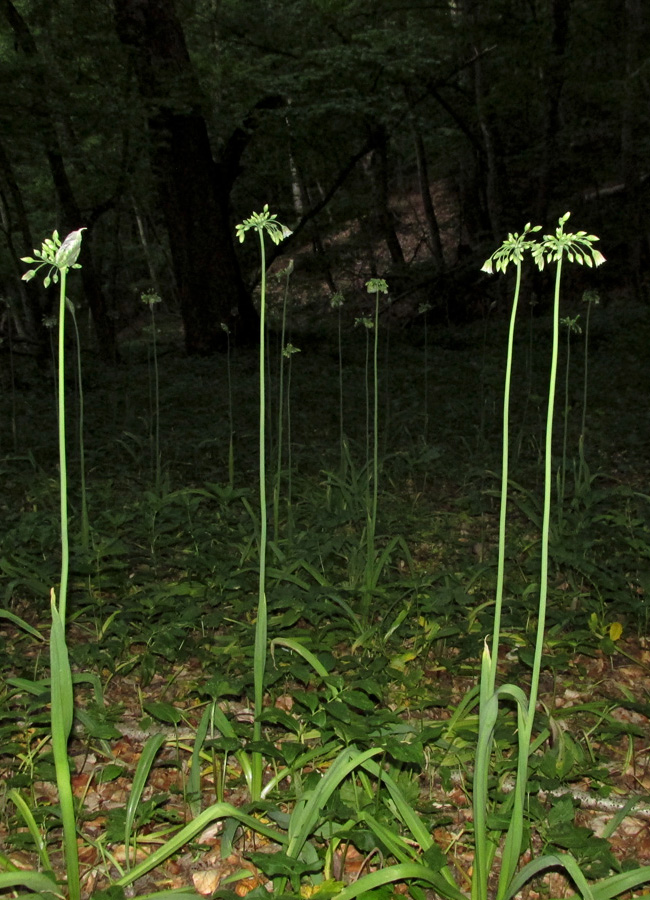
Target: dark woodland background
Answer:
pixel 400 139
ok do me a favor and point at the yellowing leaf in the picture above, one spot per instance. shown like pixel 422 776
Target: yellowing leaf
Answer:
pixel 615 631
pixel 400 660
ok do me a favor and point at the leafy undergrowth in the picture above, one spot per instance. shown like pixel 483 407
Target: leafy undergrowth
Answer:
pixel 163 603
pixel 589 789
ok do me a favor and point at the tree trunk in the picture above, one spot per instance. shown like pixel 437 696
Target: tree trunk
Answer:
pixel 29 325
pixel 633 141
pixel 490 160
pixel 435 243
pixel 383 213
pixel 301 202
pixel 194 190
pixel 493 155
pixel 553 80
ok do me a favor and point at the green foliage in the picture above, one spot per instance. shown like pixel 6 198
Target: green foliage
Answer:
pixel 364 715
pixel 263 223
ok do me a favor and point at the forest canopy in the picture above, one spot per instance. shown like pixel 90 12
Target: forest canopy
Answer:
pixel 159 124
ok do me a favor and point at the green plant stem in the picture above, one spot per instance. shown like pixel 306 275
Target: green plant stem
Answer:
pixel 289 454
pixel 565 435
pixel 268 395
pixel 85 524
pixel 156 409
pixel 261 628
pixel 426 378
pixel 62 696
pixel 63 466
pixel 386 424
pixel 367 391
pixel 546 517
pixel 498 605
pixel 278 469
pixel 372 522
pixel 582 466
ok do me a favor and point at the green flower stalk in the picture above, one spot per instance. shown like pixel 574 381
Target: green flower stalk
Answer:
pixel 572 327
pixel 288 353
pixel 263 223
pixel 576 247
pixel 418 862
pixel 50 322
pixel 285 273
pixel 377 286
pixel 57 258
pixel 336 303
pixel 85 522
pixel 367 323
pixel 151 299
pixel 591 298
pixel 512 251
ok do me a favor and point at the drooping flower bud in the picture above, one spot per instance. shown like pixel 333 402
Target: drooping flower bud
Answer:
pixel 68 252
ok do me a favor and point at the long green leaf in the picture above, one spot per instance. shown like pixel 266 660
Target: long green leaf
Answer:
pixel 512 846
pixel 194 780
pixel 483 849
pixel 32 827
pixel 223 724
pixel 399 873
pixel 21 623
pixel 62 716
pixel 307 655
pixel 39 687
pixel 622 814
pixel 35 881
pixel 405 810
pixel 552 861
pixel 620 883
pixel 394 843
pixel 322 754
pixel 305 814
pixel 176 843
pixel 149 752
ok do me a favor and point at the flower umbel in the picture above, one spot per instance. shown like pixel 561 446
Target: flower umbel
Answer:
pixel 377 284
pixel 511 250
pixel 56 256
pixel 263 221
pixel 572 324
pixel 150 298
pixel 578 247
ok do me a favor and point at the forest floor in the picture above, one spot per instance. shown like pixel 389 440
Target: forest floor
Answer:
pixel 163 600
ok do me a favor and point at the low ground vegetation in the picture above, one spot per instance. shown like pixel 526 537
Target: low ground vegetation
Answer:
pixel 366 734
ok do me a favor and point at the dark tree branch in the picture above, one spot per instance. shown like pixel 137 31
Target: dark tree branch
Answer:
pixel 338 182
